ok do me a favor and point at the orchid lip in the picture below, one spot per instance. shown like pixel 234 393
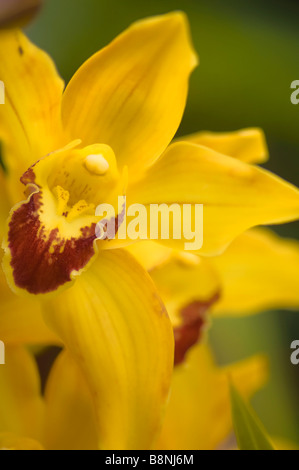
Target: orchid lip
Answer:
pixel 51 236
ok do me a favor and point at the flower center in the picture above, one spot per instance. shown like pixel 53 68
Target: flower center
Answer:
pixel 82 178
pixel 72 183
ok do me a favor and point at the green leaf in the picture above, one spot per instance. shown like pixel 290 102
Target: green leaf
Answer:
pixel 250 432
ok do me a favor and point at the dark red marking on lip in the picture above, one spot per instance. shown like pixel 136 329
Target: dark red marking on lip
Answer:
pixel 194 319
pixel 35 268
pixel 29 176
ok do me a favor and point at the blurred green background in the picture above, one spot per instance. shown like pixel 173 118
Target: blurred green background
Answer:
pixel 249 56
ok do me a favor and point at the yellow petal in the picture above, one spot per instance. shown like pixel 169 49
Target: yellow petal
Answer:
pixel 9 441
pixel 198 415
pixel 21 405
pixel 30 122
pixel 259 271
pixel 248 145
pixel 189 286
pixel 115 326
pixel 150 254
pixel 132 94
pixel 69 403
pixel 234 194
pixel 21 321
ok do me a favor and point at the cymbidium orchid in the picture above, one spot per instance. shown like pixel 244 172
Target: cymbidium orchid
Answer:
pixel 256 273
pixel 108 135
pixel 197 417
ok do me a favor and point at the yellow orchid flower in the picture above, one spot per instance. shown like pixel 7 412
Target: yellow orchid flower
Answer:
pixel 107 135
pixel 115 117
pixel 198 415
pixel 256 273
